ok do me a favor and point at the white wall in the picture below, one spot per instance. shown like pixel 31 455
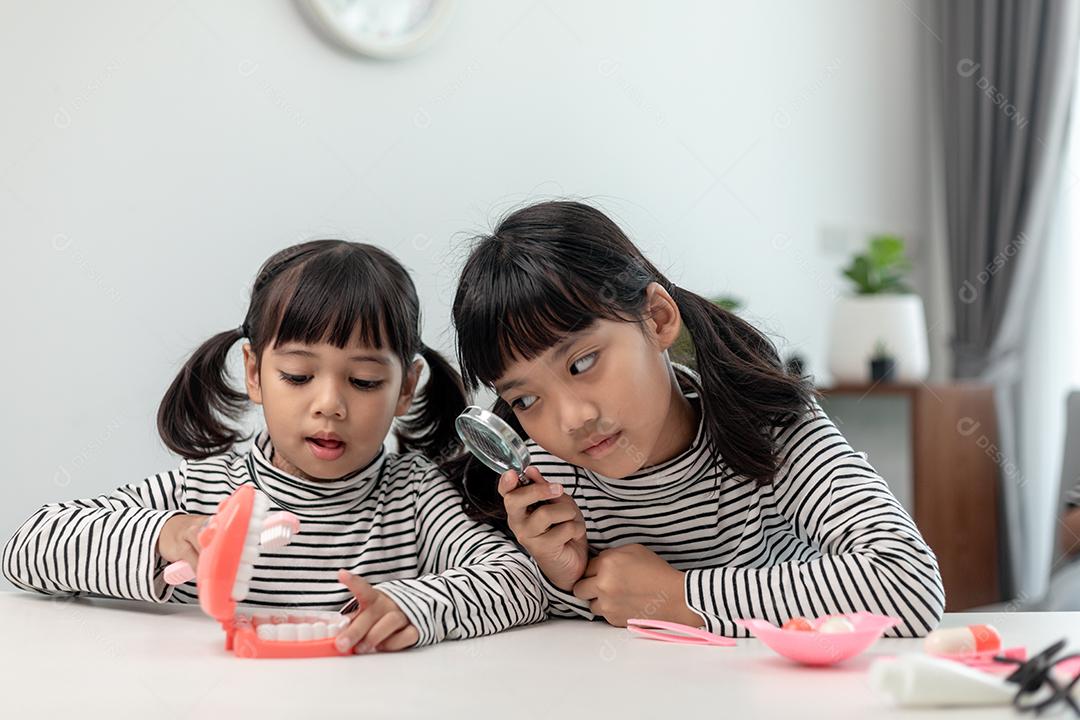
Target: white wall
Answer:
pixel 152 154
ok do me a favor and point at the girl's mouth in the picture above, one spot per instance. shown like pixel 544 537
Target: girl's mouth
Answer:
pixel 325 449
pixel 603 447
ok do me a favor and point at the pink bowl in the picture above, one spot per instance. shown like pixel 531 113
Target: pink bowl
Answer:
pixel 813 648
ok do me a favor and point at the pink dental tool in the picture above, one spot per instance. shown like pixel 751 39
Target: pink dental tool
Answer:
pixel 676 633
pixel 277 532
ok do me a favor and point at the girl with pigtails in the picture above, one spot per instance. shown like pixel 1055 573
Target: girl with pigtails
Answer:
pixel 332 354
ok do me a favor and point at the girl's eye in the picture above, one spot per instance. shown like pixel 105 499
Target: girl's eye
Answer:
pixel 295 379
pixel 583 363
pixel 524 402
pixel 365 384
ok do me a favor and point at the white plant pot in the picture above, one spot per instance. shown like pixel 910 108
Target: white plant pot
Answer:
pixel 859 322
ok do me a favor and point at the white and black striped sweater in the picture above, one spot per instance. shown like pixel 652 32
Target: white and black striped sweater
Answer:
pixel 397 522
pixel 826 536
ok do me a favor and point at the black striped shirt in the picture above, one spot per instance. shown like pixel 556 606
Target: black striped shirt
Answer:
pixel 397 522
pixel 826 536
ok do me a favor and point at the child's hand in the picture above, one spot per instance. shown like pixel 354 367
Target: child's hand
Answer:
pixel 632 581
pixel 553 533
pixel 379 624
pixel 179 539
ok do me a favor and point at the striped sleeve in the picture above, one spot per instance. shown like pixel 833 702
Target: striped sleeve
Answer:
pixel 562 603
pixel 473 581
pixel 105 545
pixel 863 550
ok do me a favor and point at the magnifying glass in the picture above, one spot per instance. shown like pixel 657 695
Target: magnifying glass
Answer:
pixel 491 439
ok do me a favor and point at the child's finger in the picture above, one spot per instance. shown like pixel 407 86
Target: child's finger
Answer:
pixel 564 532
pixel 508 482
pixel 547 516
pixel 401 640
pixel 519 500
pixel 386 626
pixel 191 553
pixel 357 630
pixel 360 588
pixel 585 589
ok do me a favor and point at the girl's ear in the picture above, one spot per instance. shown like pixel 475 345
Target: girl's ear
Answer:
pixel 408 388
pixel 251 375
pixel 662 315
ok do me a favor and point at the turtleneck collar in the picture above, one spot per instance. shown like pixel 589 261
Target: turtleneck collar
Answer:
pixel 672 476
pixel 310 497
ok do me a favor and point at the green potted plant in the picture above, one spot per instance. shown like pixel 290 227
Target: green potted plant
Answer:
pixel 882 269
pixel 883 309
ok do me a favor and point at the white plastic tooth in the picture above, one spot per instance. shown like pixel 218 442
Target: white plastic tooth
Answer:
pixel 275 538
pixel 245 572
pixel 240 589
pixel 286 632
pixel 319 631
pixel 267 632
pixel 336 628
pixel 305 631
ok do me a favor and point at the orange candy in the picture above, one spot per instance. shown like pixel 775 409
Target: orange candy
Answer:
pixel 798 623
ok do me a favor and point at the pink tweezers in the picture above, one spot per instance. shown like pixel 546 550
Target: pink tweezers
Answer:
pixel 676 633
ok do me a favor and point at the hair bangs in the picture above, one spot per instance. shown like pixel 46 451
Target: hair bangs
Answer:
pixel 523 303
pixel 341 297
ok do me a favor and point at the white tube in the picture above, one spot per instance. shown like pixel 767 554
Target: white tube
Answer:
pixel 922 681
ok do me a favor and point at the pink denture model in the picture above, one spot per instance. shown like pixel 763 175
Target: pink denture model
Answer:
pixel 230 544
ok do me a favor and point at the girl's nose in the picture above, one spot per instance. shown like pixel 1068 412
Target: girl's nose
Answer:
pixel 575 412
pixel 329 401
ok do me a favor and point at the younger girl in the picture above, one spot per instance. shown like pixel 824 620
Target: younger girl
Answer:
pixel 332 355
pixel 698 497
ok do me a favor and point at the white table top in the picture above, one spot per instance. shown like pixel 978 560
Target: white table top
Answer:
pixel 105 658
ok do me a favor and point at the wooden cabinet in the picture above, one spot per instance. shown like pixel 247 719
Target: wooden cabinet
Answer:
pixel 944 439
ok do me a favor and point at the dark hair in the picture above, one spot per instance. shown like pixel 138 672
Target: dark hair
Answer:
pixel 556 267
pixel 323 290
